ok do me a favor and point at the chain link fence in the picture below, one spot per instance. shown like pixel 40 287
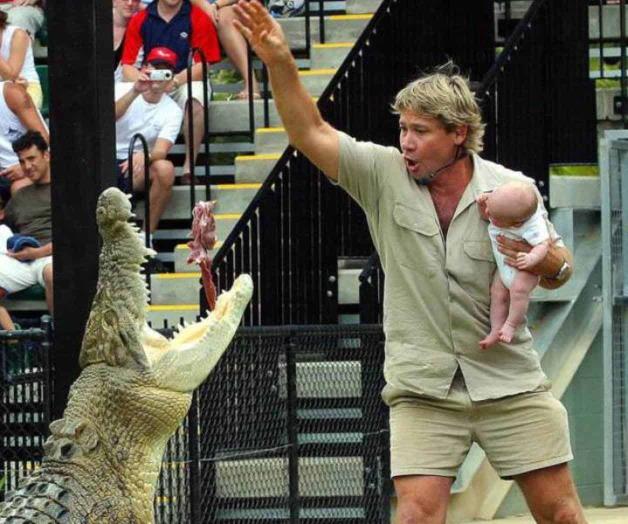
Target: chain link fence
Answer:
pixel 289 427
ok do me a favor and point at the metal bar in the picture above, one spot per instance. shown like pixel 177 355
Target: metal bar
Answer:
pixel 194 460
pixel 308 36
pixel 190 111
pixel 293 431
pixel 251 73
pixel 622 34
pixel 321 21
pixel 130 152
pixel 266 95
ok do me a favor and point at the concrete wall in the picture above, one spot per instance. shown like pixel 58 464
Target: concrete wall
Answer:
pixel 584 402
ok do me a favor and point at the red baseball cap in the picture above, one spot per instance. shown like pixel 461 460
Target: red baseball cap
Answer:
pixel 162 55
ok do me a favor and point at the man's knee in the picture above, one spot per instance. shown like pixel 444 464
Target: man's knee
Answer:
pixel 48 275
pixel 162 173
pixel 415 510
pixel 566 512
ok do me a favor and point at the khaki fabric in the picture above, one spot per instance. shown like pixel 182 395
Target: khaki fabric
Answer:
pixel 437 291
pixel 521 433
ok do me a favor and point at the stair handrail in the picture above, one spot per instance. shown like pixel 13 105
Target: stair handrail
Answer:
pixel 146 153
pixel 290 151
pixel 189 108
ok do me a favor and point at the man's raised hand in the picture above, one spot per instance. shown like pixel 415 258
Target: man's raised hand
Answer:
pixel 261 30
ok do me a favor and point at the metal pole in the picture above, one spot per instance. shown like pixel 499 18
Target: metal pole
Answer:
pixel 622 39
pixel 321 22
pixel 249 67
pixel 131 150
pixel 293 431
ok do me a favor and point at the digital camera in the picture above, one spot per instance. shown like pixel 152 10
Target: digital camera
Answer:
pixel 160 75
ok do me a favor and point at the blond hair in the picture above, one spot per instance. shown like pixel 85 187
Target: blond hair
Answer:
pixel 445 95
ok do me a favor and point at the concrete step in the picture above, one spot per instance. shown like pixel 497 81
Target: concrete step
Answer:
pixel 230 199
pixel 610 21
pixel 224 224
pixel 349 286
pixel 171 314
pixel 316 80
pixel 338 28
pixel 255 168
pixel 169 289
pixel 180 256
pixel 233 116
pixel 270 140
pixel 330 54
pixel 362 6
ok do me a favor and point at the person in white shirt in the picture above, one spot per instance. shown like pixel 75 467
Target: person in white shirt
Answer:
pixel 142 107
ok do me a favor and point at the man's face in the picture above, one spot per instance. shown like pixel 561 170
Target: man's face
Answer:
pixel 35 164
pixel 171 3
pixel 126 8
pixel 425 143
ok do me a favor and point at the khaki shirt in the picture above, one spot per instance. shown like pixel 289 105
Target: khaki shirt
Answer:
pixel 437 291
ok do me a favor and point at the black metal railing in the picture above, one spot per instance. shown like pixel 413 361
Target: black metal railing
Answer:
pixel 291 235
pixel 190 114
pixel 608 41
pixel 290 423
pixel 538 103
pixel 25 401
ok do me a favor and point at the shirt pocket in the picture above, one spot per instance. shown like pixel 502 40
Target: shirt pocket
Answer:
pixel 479 268
pixel 415 240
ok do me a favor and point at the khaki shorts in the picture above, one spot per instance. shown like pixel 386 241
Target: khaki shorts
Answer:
pixel 520 433
pixel 16 276
pixel 180 95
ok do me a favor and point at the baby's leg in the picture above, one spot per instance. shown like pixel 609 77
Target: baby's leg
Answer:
pixel 522 286
pixel 499 311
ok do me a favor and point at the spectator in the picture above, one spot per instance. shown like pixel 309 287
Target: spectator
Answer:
pixel 28 213
pixel 165 23
pixel 27 14
pixel 123 11
pixel 18 114
pixel 223 15
pixel 16 59
pixel 142 107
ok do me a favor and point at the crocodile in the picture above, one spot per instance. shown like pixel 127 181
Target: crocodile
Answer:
pixel 102 460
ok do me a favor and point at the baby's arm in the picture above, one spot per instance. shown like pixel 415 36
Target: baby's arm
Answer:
pixel 533 257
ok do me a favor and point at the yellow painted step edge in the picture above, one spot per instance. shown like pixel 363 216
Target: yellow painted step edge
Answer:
pixel 317 72
pixel 174 307
pixel 333 45
pixel 271 130
pixel 185 246
pixel 263 156
pixel 338 18
pixel 175 276
pixel 238 186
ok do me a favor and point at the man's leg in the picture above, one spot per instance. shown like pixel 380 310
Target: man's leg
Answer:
pixel 47 273
pixel 161 182
pixel 6 322
pixel 197 137
pixel 500 297
pixel 520 290
pixel 422 499
pixel 234 45
pixel 551 495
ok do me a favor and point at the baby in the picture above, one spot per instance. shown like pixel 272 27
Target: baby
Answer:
pixel 513 211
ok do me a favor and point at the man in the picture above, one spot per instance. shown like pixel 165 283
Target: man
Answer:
pixel 27 14
pixel 29 213
pixel 17 115
pixel 180 26
pixel 142 107
pixel 444 392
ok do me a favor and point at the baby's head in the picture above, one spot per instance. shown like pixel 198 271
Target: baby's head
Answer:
pixel 511 204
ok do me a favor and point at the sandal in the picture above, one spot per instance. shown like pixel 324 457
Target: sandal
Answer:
pixel 244 95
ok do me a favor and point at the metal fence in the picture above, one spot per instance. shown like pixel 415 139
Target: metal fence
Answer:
pixel 288 428
pixel 614 200
pixel 291 235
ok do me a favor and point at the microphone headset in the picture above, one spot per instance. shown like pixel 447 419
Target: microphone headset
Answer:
pixel 429 177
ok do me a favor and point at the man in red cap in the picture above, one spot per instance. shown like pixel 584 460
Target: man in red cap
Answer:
pixel 142 107
pixel 179 26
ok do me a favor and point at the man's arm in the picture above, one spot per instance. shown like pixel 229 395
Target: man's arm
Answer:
pixel 123 103
pixel 32 253
pixel 548 269
pixel 306 129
